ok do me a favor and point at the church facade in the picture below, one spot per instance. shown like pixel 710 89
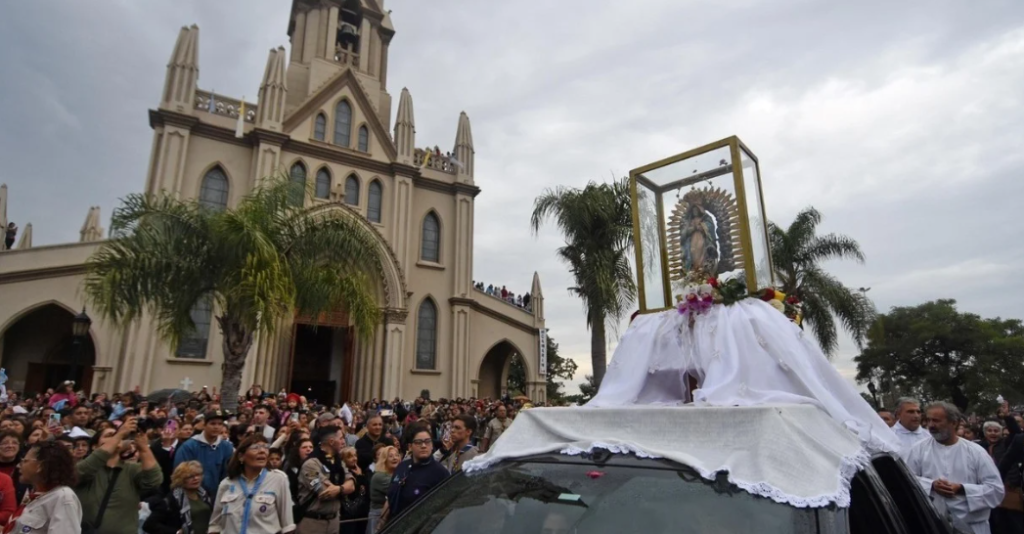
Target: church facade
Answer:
pixel 323 117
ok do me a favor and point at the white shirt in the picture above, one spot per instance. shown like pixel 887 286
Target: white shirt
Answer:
pixel 270 511
pixel 57 511
pixel 964 463
pixel 909 438
pixel 346 414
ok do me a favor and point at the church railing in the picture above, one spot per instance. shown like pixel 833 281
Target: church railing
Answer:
pixel 223 105
pixel 437 162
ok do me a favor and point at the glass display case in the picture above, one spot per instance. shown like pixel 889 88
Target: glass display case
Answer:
pixel 700 213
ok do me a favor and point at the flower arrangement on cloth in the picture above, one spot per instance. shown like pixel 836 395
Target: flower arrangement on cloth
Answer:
pixel 703 292
pixel 790 306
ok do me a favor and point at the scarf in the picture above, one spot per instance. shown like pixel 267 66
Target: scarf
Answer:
pixel 186 509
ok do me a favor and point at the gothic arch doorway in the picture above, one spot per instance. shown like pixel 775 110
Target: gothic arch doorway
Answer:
pixel 503 370
pixel 38 349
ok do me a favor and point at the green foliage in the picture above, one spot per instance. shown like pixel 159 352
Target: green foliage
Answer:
pixel 596 223
pixel 587 391
pixel 516 376
pixel 260 263
pixel 559 370
pixel 934 352
pixel 797 255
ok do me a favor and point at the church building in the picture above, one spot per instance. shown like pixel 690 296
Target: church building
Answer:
pixel 324 117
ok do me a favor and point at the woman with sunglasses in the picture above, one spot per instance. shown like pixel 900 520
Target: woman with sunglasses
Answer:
pixel 187 508
pixel 252 499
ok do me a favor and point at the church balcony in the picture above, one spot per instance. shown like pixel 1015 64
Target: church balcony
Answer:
pixel 438 162
pixel 223 105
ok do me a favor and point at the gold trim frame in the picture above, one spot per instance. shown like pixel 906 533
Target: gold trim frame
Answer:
pixel 736 149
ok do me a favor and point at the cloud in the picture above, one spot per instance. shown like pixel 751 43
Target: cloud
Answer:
pixel 900 124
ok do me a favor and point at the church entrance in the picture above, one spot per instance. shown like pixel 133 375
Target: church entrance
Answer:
pixel 38 349
pixel 322 359
pixel 502 371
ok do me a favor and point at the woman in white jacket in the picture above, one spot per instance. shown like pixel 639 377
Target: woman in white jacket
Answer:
pixel 53 507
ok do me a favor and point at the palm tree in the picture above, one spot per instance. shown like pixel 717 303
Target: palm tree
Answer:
pixel 258 264
pixel 797 253
pixel 597 225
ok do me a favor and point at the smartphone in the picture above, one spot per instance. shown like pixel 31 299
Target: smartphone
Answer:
pixel 294 417
pixel 54 420
pixel 172 426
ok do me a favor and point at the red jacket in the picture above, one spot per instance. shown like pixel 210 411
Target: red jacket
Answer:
pixel 8 500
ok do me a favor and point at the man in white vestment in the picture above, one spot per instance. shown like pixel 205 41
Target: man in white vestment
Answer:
pixel 908 428
pixel 958 475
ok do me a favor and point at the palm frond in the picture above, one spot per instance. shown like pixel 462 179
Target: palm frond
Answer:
pixel 832 247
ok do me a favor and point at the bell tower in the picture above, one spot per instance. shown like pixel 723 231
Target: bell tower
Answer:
pixel 329 36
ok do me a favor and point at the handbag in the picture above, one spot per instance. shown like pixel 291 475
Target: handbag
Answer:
pixel 356 504
pixel 94 527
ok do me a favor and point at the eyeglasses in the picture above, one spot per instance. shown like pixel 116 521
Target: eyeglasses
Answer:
pixel 421 442
pixel 258 447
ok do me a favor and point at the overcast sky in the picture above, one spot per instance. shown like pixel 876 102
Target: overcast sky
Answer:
pixel 900 121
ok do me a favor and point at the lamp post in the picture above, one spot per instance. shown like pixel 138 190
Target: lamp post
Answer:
pixel 79 330
pixel 874 393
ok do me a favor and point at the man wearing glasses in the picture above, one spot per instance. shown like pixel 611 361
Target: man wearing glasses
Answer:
pixel 416 476
pixel 455 447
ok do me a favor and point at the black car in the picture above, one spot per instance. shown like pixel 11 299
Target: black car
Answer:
pixel 605 493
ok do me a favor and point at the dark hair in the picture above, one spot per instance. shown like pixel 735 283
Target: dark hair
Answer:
pixel 277 451
pixel 235 466
pixel 293 459
pixel 467 420
pixel 56 464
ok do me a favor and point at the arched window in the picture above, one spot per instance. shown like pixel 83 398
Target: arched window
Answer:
pixel 343 124
pixel 194 346
pixel 323 183
pixel 430 248
pixel 352 190
pixel 426 335
pixel 373 206
pixel 364 139
pixel 298 191
pixel 320 128
pixel 213 193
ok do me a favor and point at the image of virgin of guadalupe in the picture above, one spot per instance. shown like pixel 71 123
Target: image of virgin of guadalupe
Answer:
pixel 699 240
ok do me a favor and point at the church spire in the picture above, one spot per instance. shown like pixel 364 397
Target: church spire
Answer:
pixel 537 299
pixel 3 210
pixel 464 148
pixel 91 229
pixel 26 238
pixel 273 92
pixel 182 72
pixel 405 129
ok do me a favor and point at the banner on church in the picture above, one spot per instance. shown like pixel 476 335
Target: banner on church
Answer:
pixel 543 367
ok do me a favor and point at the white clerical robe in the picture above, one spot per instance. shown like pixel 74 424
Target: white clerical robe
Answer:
pixel 964 463
pixel 909 438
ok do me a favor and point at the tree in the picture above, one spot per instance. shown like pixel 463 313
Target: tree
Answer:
pixel 587 391
pixel 934 352
pixel 559 369
pixel 797 255
pixel 259 264
pixel 516 376
pixel 597 225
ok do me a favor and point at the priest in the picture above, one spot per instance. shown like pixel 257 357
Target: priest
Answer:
pixel 959 476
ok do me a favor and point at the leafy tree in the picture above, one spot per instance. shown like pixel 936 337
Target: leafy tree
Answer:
pixel 559 369
pixel 597 225
pixel 934 352
pixel 516 376
pixel 587 391
pixel 797 255
pixel 259 264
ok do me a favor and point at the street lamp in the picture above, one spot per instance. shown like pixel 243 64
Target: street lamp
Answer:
pixel 79 330
pixel 874 393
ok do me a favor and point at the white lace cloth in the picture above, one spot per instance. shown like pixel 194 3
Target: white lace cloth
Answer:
pixel 791 454
pixel 746 354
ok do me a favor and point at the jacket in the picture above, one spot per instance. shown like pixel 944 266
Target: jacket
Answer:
pixel 122 514
pixel 214 459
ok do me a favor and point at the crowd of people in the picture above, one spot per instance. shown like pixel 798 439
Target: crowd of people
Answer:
pixel 521 301
pixel 971 466
pixel 127 464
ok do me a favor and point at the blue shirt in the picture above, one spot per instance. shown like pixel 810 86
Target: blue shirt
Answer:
pixel 214 459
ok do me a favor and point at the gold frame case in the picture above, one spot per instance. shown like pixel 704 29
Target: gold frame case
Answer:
pixel 736 151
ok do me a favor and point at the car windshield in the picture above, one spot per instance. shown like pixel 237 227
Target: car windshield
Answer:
pixel 582 498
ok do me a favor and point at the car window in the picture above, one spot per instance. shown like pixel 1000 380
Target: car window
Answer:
pixel 560 498
pixel 910 500
pixel 871 508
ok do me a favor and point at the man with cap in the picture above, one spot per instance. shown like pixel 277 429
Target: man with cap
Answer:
pixel 210 449
pixel 323 481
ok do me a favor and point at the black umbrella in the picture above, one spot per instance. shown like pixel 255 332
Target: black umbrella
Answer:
pixel 174 395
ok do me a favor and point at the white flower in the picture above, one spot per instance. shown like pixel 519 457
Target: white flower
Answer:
pixel 705 289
